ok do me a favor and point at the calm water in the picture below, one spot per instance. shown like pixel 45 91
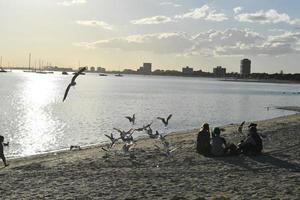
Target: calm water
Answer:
pixel 35 120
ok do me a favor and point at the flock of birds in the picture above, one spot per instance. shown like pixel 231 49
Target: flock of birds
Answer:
pixel 127 136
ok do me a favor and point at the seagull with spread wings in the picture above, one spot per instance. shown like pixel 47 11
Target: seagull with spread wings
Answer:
pixel 131 119
pixel 73 83
pixel 126 136
pixel 165 121
pixel 112 139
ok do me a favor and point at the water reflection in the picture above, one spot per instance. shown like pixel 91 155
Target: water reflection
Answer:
pixel 37 130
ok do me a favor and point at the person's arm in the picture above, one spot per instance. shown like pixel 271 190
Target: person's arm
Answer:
pixel 6 144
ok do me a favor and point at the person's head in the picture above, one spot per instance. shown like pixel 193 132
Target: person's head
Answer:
pixel 252 129
pixel 217 131
pixel 1 138
pixel 205 126
pixel 252 125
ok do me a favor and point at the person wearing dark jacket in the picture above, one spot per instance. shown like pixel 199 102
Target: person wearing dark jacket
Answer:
pixel 203 140
pixel 252 144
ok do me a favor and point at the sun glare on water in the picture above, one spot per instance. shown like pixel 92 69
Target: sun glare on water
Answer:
pixel 38 126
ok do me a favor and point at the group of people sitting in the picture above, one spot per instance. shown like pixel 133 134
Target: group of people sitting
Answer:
pixel 215 145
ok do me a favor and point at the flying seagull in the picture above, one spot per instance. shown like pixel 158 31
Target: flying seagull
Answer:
pixel 73 82
pixel 112 139
pixel 131 119
pixel 145 127
pixel 126 136
pixel 165 121
pixel 151 134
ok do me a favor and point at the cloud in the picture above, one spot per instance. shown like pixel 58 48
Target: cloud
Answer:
pixel 152 20
pixel 286 43
pixel 160 43
pixel 168 3
pixel 229 42
pixel 205 12
pixel 237 10
pixel 94 23
pixel 264 17
pixel 72 2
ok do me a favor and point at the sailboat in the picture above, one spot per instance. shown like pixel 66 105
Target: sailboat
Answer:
pixel 29 62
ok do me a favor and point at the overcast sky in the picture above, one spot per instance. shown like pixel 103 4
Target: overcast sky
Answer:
pixel 118 34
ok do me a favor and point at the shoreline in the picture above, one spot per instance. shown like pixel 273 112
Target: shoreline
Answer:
pixel 147 173
pixel 261 81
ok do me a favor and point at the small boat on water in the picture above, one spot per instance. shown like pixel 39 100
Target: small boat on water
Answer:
pixel 64 73
pixel 41 72
pixel 102 74
pixel 118 75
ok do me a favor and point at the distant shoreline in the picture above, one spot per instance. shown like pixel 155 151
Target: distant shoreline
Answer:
pixel 260 81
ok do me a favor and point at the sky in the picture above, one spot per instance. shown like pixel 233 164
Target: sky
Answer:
pixel 119 34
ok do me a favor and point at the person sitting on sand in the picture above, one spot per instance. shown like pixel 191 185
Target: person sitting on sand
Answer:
pixel 218 143
pixel 203 140
pixel 1 150
pixel 219 146
pixel 252 144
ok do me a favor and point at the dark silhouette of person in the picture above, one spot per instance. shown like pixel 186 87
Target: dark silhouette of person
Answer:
pixel 1 150
pixel 253 143
pixel 203 140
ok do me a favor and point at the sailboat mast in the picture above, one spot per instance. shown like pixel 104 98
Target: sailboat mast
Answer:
pixel 29 61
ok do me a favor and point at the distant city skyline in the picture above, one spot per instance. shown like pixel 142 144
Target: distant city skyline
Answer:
pixel 119 35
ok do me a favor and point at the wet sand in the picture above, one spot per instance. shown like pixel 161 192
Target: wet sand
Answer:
pixel 150 174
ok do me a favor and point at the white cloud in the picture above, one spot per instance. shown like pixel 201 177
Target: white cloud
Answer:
pixel 286 43
pixel 205 12
pixel 152 20
pixel 263 17
pixel 237 10
pixel 161 43
pixel 94 23
pixel 230 42
pixel 72 2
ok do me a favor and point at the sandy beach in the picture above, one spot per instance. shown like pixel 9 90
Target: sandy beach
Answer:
pixel 150 174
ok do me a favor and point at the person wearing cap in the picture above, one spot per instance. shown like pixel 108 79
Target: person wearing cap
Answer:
pixel 253 143
pixel 203 140
pixel 218 143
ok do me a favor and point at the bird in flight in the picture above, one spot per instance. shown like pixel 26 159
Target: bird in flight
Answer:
pixel 131 119
pixel 73 82
pixel 112 139
pixel 145 127
pixel 126 136
pixel 165 121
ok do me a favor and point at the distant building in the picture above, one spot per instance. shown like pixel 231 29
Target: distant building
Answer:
pixel 101 69
pixel 245 69
pixel 92 69
pixel 219 71
pixel 187 70
pixel 145 69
